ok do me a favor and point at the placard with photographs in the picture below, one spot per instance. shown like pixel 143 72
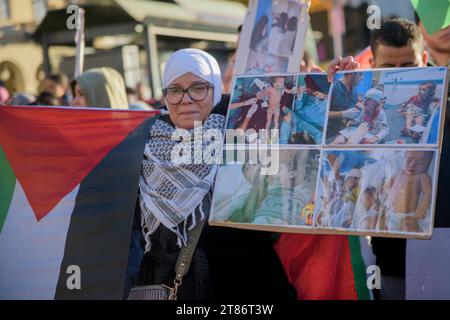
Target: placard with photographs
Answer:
pixel 387 106
pixel 359 156
pixel 377 190
pixel 273 37
pixel 293 106
pixel 246 196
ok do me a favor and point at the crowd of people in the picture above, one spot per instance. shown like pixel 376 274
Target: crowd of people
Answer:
pixel 99 87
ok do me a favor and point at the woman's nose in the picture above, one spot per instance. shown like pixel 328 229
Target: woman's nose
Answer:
pixel 186 99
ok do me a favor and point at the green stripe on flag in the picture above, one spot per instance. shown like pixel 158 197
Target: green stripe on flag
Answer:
pixel 359 268
pixel 7 185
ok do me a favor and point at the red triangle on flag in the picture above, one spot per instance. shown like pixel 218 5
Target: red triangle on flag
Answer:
pixel 51 150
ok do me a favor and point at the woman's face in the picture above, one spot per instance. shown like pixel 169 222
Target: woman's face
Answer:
pixel 79 99
pixel 187 111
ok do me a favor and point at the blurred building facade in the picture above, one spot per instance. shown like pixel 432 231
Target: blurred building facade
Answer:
pixel 137 36
pixel 34 39
pixel 20 57
pixel 349 26
pixel 133 36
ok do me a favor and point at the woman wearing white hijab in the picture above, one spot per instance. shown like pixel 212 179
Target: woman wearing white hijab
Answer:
pixel 175 197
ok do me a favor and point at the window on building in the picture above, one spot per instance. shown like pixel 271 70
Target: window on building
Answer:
pixel 40 9
pixel 4 9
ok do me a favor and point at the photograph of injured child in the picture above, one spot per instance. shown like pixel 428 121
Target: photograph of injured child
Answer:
pixel 383 190
pixel 309 110
pixel 259 63
pixel 243 195
pixel 261 103
pixel 386 107
pixel 293 105
pixel 273 36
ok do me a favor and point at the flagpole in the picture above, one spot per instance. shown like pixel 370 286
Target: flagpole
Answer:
pixel 79 41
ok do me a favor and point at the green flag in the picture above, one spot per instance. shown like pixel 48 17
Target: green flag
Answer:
pixel 434 14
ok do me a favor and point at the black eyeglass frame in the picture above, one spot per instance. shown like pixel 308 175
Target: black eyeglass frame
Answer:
pixel 208 86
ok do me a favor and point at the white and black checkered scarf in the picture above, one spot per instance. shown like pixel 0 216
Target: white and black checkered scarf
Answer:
pixel 170 192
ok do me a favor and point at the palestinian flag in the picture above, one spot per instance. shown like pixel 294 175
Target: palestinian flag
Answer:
pixel 325 267
pixel 364 57
pixel 68 186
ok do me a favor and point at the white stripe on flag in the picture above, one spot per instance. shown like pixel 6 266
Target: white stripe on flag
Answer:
pixel 367 255
pixel 31 252
pixel 428 266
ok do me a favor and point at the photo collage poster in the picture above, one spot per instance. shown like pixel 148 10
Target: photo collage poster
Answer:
pixel 358 156
pixel 273 37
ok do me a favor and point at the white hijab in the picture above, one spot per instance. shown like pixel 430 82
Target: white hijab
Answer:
pixel 198 62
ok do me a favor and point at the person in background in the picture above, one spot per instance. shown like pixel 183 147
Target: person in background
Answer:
pixel 434 251
pixel 141 95
pixel 46 98
pixel 105 88
pixel 4 94
pixel 398 43
pixel 58 85
pixel 99 88
pixel 438 44
pixel 133 101
pixel 21 99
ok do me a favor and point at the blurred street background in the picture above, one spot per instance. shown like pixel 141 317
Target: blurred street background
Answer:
pixel 136 37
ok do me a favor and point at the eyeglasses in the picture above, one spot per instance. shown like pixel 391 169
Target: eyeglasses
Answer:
pixel 197 92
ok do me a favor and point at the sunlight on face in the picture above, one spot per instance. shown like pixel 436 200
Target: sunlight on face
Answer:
pixel 79 99
pixel 187 111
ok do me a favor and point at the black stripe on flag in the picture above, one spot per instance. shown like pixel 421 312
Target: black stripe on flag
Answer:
pixel 99 234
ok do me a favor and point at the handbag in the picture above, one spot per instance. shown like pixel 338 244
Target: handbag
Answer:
pixel 163 292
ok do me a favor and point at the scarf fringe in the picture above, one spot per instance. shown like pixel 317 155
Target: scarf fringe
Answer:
pixel 194 222
pixel 180 232
pixel 182 236
pixel 146 233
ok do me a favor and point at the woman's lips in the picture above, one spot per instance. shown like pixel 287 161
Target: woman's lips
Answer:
pixel 188 113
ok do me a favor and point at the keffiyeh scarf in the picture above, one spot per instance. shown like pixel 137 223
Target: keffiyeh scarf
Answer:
pixel 170 192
